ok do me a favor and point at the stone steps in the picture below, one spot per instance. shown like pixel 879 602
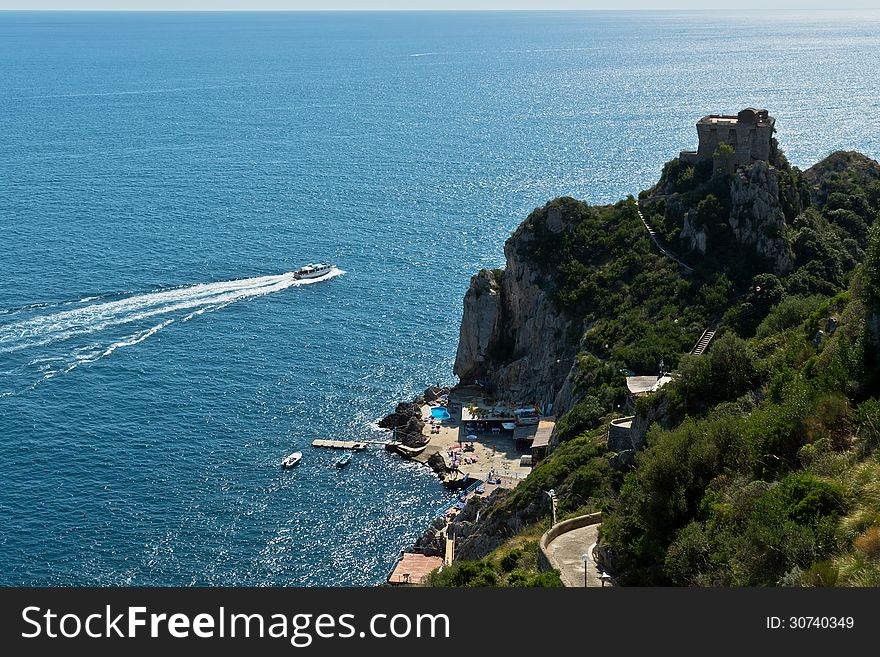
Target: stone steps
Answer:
pixel 703 342
pixel 652 233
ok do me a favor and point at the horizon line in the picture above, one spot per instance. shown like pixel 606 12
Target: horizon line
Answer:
pixel 426 10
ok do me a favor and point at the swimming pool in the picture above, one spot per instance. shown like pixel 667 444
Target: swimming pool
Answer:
pixel 440 413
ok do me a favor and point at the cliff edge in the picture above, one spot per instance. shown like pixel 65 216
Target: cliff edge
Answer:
pixel 513 338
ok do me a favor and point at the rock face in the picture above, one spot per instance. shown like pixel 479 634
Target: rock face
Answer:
pixel 476 536
pixel 512 336
pixel 756 217
pixel 432 393
pixel 432 543
pixel 480 330
pixel 695 237
pixel 438 464
pixel 642 422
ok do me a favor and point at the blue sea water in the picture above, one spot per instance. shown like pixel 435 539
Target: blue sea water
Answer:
pixel 161 174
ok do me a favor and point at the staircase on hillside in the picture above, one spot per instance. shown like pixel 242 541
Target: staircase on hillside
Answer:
pixel 656 240
pixel 449 553
pixel 703 342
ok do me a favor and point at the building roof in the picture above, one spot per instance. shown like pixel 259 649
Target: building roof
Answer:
pixel 748 115
pixel 545 430
pixel 643 385
pixel 525 432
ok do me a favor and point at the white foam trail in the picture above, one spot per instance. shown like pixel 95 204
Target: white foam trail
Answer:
pixel 52 327
pixel 58 326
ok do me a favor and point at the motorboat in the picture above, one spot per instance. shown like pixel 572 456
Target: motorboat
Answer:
pixel 313 271
pixel 343 460
pixel 292 460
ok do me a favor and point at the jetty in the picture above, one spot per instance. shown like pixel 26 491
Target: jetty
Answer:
pixel 345 444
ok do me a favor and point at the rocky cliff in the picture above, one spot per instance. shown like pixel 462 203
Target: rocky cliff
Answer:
pixel 406 420
pixel 756 215
pixel 513 338
pixel 585 296
pixel 750 214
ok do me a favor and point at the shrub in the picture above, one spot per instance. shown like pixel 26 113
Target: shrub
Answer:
pixel 788 313
pixel 808 499
pixel 508 561
pixel 554 471
pixel 724 374
pixel 465 573
pixel 872 266
pixel 821 573
pixel 869 543
pixel 709 212
pixel 549 579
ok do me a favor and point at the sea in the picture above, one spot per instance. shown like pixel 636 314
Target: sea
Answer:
pixel 162 174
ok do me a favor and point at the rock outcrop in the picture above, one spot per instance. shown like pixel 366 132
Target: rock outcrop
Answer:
pixel 433 393
pixel 432 543
pixel 756 215
pixel 513 339
pixel 694 237
pixel 756 218
pixel 406 422
pixel 823 177
pixel 438 464
pixel 476 536
pixel 481 327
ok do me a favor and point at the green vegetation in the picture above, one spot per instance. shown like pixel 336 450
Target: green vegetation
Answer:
pixel 761 467
pixel 779 489
pixel 639 307
pixel 724 374
pixel 513 564
pixel 578 471
pixel 872 267
pixel 491 573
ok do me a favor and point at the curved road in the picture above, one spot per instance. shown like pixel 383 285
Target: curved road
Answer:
pixel 565 553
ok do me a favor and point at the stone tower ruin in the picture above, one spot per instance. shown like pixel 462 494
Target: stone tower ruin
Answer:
pixel 749 134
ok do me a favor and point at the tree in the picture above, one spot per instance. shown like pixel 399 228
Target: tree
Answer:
pixel 710 212
pixel 872 265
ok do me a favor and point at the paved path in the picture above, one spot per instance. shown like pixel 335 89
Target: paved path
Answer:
pixel 449 553
pixel 565 551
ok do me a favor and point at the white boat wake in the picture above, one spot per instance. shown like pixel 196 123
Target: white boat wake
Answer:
pixel 49 340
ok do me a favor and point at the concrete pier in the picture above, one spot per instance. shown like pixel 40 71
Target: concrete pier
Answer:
pixel 344 444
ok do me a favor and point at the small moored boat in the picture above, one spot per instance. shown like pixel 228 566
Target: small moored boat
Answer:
pixel 343 460
pixel 292 460
pixel 313 271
